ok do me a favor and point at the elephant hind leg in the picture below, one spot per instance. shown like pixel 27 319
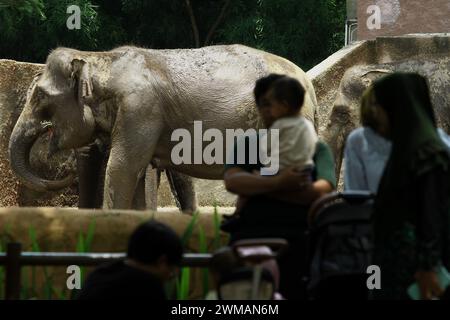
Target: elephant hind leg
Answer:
pixel 139 195
pixel 152 181
pixel 182 187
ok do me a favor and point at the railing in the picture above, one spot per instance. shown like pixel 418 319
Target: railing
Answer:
pixel 351 29
pixel 14 259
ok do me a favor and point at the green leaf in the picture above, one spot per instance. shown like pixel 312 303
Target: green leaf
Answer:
pixel 202 240
pixel 189 229
pixel 203 249
pixel 90 235
pixel 33 281
pixel 24 288
pixel 81 244
pixel 81 248
pixel 47 288
pixel 216 240
pixel 184 284
pixel 33 239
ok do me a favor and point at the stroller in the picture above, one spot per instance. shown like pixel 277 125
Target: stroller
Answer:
pixel 248 270
pixel 339 246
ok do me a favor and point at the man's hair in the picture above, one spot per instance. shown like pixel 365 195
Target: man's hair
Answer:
pixel 285 89
pixel 224 260
pixel 151 240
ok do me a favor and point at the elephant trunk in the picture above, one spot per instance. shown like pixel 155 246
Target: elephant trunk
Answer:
pixel 24 135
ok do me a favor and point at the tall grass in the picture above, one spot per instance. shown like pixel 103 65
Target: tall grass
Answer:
pixel 183 285
pixel 84 245
pixel 216 219
pixel 203 248
pixel 29 279
pixel 187 234
pixel 179 287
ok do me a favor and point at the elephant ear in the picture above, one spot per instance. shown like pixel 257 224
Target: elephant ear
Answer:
pixel 33 83
pixel 373 74
pixel 81 81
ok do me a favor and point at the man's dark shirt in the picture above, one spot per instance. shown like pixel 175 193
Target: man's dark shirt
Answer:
pixel 119 281
pixel 262 216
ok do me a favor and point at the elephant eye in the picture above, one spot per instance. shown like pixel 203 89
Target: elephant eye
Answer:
pixel 45 114
pixel 41 92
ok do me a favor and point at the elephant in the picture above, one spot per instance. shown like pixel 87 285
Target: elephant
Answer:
pixel 345 115
pixel 87 164
pixel 135 98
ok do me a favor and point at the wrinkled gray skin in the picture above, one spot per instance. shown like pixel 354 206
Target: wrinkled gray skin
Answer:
pixel 91 164
pixel 135 98
pixel 345 115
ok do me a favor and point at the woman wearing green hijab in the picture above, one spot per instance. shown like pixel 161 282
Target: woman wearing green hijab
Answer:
pixel 411 218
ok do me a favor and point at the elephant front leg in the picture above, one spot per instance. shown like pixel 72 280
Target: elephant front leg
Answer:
pixel 131 152
pixel 122 177
pixel 134 138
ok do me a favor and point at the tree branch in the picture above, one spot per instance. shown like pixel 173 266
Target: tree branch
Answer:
pixel 193 23
pixel 217 23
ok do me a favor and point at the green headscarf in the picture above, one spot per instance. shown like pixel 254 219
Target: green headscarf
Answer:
pixel 416 145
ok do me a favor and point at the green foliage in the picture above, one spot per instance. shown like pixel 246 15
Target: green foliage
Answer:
pixel 189 229
pixel 31 28
pixel 304 31
pixel 217 231
pixel 183 284
pixel 29 280
pixel 179 288
pixel 203 248
pixel 84 244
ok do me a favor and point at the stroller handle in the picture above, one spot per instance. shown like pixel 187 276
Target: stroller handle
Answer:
pixel 351 196
pixel 277 245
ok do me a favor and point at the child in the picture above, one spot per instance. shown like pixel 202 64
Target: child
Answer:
pixel 283 98
pixel 297 137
